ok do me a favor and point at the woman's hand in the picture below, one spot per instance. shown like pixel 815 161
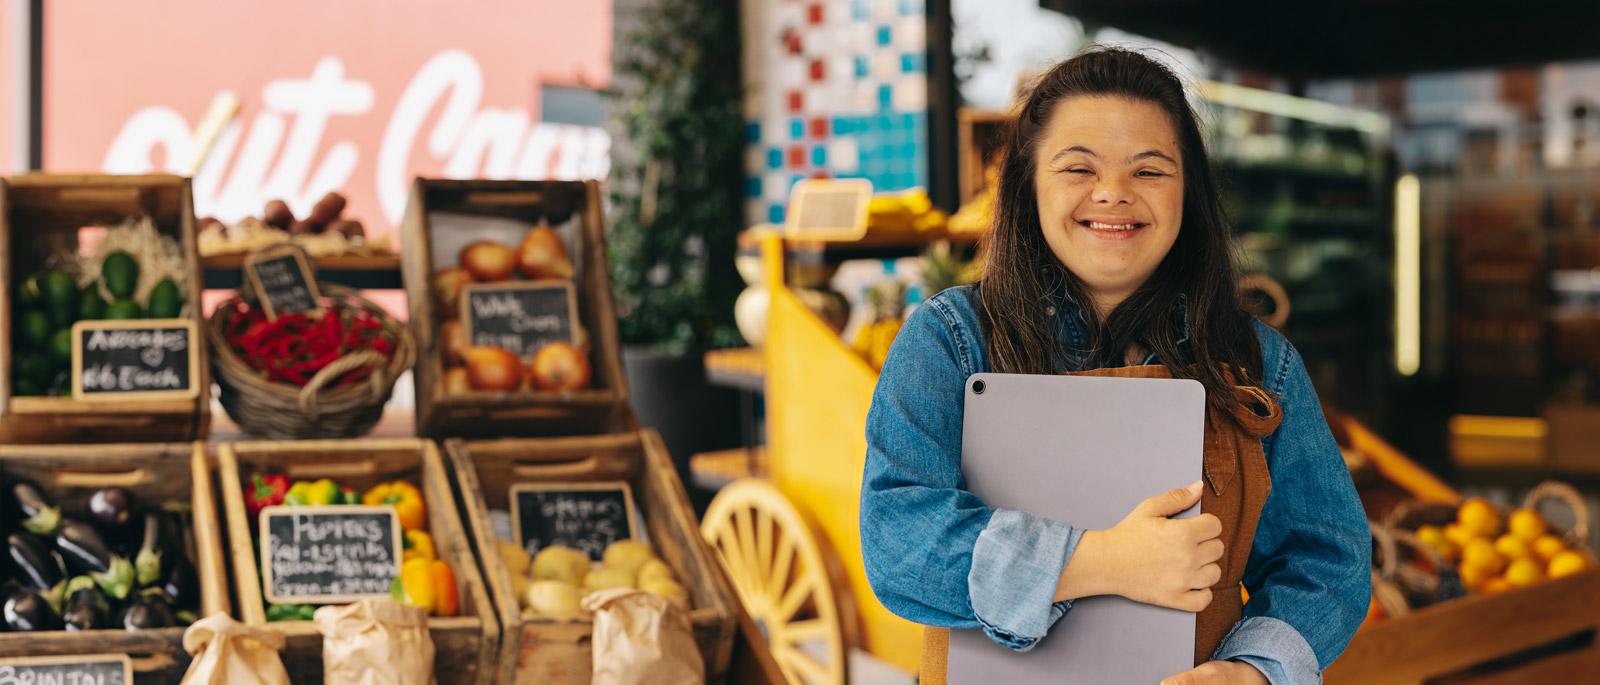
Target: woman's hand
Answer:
pixel 1218 673
pixel 1150 558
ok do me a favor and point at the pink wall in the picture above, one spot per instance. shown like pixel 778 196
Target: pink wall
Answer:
pixel 358 95
pixel 6 85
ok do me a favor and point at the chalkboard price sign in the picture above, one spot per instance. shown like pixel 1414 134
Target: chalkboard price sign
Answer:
pixel 149 359
pixel 519 316
pixel 95 669
pixel 586 516
pixel 282 280
pixel 328 554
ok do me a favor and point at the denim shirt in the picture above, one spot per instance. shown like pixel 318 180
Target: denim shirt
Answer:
pixel 936 555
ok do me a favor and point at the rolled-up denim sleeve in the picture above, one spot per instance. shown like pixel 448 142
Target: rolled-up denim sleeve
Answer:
pixel 1309 570
pixel 935 554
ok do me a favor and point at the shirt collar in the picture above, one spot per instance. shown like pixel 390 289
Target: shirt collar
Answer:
pixel 1072 329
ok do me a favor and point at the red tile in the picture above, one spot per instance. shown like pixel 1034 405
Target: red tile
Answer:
pixel 817 73
pixel 792 43
pixel 814 14
pixel 819 128
pixel 820 174
pixel 795 101
pixel 797 156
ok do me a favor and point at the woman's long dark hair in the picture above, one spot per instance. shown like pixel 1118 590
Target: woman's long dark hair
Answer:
pixel 1021 273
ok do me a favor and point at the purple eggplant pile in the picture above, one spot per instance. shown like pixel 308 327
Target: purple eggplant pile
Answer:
pixel 122 564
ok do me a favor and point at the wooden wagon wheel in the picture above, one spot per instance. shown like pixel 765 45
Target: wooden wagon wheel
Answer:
pixel 781 574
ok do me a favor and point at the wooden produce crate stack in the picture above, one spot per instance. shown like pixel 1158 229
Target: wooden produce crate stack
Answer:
pixel 42 216
pixel 443 217
pixel 155 474
pixel 466 645
pixel 541 650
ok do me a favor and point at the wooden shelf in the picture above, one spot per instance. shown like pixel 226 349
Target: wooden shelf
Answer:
pixel 743 368
pixel 876 244
pixel 377 272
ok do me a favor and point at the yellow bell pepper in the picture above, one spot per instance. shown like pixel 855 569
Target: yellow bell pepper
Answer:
pixel 418 545
pixel 426 583
pixel 406 500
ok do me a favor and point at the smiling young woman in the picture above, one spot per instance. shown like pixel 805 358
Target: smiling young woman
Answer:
pixel 1110 255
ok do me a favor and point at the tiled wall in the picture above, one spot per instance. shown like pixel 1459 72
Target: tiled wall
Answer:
pixel 833 89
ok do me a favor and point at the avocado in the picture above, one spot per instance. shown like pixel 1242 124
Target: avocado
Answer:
pixel 30 293
pixel 61 348
pixel 60 298
pixel 165 303
pixel 33 329
pixel 90 305
pixel 36 368
pixel 25 387
pixel 120 273
pixel 124 309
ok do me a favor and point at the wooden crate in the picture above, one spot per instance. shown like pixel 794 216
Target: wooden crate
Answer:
pixel 155 472
pixel 465 645
pixel 1540 634
pixel 599 409
pixel 40 214
pixel 979 135
pixel 538 650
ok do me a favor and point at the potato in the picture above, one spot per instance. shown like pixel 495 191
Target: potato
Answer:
pixel 277 214
pixel 558 562
pixel 606 578
pixel 514 556
pixel 668 588
pixel 327 209
pixel 349 227
pixel 555 599
pixel 654 569
pixel 627 555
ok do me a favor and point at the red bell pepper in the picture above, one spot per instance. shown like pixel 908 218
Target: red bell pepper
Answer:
pixel 265 491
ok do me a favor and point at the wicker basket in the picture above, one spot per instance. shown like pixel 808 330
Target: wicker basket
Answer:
pixel 279 410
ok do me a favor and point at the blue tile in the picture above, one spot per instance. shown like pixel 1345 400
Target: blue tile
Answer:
pixel 911 8
pixel 819 156
pixel 911 62
pixel 774 158
pixel 907 120
pixel 752 186
pixel 797 128
pixel 752 132
pixel 861 66
pixel 775 214
pixel 858 10
pixel 884 35
pixel 841 126
pixel 885 96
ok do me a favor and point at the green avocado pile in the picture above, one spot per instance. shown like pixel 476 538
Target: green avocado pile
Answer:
pixel 47 304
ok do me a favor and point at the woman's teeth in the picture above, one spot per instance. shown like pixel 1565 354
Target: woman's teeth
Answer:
pixel 1112 227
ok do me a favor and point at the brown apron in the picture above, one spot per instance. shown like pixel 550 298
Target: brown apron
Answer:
pixel 1236 488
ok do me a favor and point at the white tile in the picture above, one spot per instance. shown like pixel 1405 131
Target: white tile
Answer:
pixel 885 10
pixel 885 65
pixel 910 34
pixel 910 94
pixel 844 156
pixel 775 186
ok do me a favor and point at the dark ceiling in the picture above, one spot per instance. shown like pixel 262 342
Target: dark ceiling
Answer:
pixel 1350 38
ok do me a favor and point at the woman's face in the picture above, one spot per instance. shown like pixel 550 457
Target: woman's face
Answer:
pixel 1110 187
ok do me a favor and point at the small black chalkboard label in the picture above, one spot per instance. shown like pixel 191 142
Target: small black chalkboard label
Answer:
pixel 586 516
pixel 87 669
pixel 282 281
pixel 519 316
pixel 328 554
pixel 149 359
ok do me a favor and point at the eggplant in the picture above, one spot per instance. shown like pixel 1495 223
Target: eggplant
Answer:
pixel 86 553
pixel 147 564
pixel 150 610
pixel 111 508
pixel 87 609
pixel 182 585
pixel 28 610
pixel 38 515
pixel 32 563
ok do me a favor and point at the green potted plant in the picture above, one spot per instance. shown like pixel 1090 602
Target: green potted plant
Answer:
pixel 676 195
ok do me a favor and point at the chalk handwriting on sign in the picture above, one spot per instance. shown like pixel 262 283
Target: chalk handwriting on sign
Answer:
pixel 96 669
pixel 520 317
pixel 143 359
pixel 586 516
pixel 329 554
pixel 283 281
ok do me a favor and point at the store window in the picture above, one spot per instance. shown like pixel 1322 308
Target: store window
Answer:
pixel 259 102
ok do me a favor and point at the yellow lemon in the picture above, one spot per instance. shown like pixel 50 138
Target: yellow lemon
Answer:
pixel 1524 572
pixel 1480 553
pixel 1434 538
pixel 1566 563
pixel 1548 546
pixel 1526 524
pixel 1472 577
pixel 1458 535
pixel 1479 518
pixel 1512 547
pixel 1495 586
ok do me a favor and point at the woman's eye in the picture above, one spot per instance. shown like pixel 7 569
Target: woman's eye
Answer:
pixel 1079 170
pixel 1147 173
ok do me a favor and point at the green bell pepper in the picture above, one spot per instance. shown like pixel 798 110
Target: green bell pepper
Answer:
pixel 313 493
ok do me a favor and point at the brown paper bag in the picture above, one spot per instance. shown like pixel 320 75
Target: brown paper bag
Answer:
pixel 227 652
pixel 642 639
pixel 375 641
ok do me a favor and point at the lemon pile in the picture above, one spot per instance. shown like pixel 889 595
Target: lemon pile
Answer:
pixel 1495 555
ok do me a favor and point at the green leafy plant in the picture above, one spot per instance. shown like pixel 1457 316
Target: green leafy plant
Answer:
pixel 676 182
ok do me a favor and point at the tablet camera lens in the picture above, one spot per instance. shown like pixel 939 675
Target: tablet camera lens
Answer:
pixel 977 387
